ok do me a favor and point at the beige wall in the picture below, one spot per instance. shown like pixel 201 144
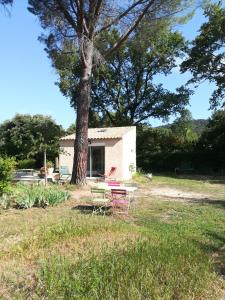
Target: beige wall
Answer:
pixel 66 154
pixel 129 153
pixel 113 157
pixel 113 154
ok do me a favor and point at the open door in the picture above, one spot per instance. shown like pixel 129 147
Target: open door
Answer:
pixel 96 161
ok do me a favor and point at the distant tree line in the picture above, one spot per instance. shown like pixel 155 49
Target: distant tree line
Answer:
pixel 184 146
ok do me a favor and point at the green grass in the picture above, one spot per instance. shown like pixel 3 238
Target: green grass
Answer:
pixel 140 271
pixel 204 185
pixel 171 260
pixel 164 250
pixel 63 231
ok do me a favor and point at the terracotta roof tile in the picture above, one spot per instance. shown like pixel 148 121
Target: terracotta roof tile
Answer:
pixel 103 133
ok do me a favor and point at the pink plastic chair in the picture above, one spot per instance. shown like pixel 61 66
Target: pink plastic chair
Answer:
pixel 113 183
pixel 120 201
pixel 108 174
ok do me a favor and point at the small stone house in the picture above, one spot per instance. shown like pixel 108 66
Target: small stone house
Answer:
pixel 108 147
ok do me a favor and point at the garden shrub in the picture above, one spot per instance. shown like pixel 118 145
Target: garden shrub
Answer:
pixel 7 167
pixel 5 201
pixel 38 196
pixel 29 163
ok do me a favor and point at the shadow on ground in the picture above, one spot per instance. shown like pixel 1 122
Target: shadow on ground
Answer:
pixel 216 248
pixel 206 178
pixel 207 201
pixel 92 209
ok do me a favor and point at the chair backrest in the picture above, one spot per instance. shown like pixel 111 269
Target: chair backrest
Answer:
pixel 64 170
pixel 113 183
pixel 98 191
pixel 112 171
pixel 128 184
pixel 119 193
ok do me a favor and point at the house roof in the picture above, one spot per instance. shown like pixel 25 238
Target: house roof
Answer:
pixel 103 133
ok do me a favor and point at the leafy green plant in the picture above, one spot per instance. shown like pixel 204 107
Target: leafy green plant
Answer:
pixel 5 201
pixel 39 196
pixel 7 166
pixel 50 164
pixel 140 177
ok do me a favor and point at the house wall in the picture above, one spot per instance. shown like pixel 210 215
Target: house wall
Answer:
pixel 66 154
pixel 113 157
pixel 113 154
pixel 129 153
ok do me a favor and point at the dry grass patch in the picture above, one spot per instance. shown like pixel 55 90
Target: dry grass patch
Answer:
pixel 35 235
pixel 165 249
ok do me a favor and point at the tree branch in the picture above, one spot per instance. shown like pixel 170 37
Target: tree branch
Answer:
pixel 131 28
pixel 67 15
pixel 116 20
pixel 98 7
pixel 81 20
pixel 104 108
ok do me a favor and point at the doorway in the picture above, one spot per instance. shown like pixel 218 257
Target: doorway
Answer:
pixel 96 161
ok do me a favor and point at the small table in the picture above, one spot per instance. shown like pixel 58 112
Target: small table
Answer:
pixel 103 185
pixel 28 180
pixel 130 189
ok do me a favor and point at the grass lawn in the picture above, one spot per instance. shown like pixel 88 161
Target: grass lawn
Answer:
pixel 168 248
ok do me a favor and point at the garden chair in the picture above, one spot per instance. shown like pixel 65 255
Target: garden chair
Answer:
pixel 64 175
pixel 99 200
pixel 108 174
pixel 132 184
pixel 113 183
pixel 120 201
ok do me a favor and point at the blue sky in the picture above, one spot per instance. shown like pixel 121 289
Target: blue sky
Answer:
pixel 27 80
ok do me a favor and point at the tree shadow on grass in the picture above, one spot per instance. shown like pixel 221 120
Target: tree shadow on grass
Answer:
pixel 208 201
pixel 92 209
pixel 216 249
pixel 206 178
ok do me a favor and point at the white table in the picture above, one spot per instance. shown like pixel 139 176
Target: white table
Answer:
pixel 130 189
pixel 28 180
pixel 105 186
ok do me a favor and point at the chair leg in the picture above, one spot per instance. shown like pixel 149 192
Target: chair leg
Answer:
pixel 98 210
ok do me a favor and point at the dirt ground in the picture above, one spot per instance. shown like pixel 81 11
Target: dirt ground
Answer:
pixel 147 191
pixel 169 192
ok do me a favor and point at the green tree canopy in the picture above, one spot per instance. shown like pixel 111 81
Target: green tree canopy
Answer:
pixel 7 166
pixel 71 129
pixel 123 89
pixel 183 130
pixel 213 138
pixel 5 2
pixel 27 136
pixel 206 59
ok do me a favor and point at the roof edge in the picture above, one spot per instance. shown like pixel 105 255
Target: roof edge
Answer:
pixel 100 131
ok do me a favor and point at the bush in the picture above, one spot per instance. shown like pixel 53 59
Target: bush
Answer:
pixel 202 162
pixel 50 164
pixel 26 164
pixel 38 196
pixel 7 167
pixel 5 201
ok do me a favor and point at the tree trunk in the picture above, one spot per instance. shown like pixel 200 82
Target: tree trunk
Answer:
pixel 81 140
